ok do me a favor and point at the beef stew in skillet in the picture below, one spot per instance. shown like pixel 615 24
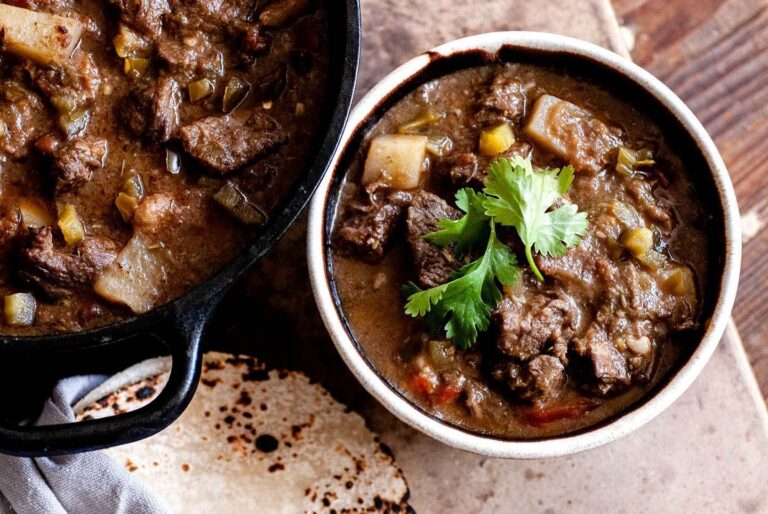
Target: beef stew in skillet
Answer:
pixel 520 251
pixel 142 144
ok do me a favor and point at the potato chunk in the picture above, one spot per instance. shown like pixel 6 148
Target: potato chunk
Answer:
pixel 71 225
pixel 571 133
pixel 136 277
pixel 34 213
pixel 20 309
pixel 41 37
pixel 397 160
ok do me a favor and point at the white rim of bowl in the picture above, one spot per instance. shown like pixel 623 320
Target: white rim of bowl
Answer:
pixel 622 424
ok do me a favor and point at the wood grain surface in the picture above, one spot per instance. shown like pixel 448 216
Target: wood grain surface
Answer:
pixel 714 55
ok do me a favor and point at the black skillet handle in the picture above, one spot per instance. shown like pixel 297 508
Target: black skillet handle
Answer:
pixel 182 332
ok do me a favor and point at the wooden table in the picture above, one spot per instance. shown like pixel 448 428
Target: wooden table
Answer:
pixel 714 55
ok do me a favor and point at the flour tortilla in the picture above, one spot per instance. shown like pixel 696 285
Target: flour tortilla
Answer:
pixel 253 441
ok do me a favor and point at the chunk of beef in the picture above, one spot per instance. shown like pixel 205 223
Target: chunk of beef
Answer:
pixel 529 322
pixel 226 143
pixel 540 380
pixel 576 271
pixel 22 119
pixel 70 86
pixel 608 364
pixel 368 225
pixel 464 170
pixel 642 192
pixel 255 41
pixel 630 312
pixel 144 15
pixel 193 56
pixel 434 264
pixel 468 169
pixel 55 269
pixel 153 111
pixel 504 99
pixel 75 161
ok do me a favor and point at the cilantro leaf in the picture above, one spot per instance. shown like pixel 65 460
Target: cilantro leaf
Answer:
pixel 467 231
pixel 462 306
pixel 519 197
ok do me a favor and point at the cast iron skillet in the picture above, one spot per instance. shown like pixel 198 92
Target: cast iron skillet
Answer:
pixel 180 324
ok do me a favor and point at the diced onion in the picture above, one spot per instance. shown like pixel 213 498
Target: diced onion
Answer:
pixel 419 122
pixel 135 65
pixel 628 160
pixel 172 162
pixel 127 205
pixel 235 92
pixel 652 259
pixel 134 186
pixel 439 146
pixel 232 199
pixel 200 89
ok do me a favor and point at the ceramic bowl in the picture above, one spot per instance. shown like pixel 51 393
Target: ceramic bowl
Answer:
pixel 604 67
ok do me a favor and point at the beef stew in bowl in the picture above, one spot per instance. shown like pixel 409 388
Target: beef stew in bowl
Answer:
pixel 520 244
pixel 147 149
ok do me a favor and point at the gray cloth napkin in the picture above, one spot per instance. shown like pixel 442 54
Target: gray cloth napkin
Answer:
pixel 88 483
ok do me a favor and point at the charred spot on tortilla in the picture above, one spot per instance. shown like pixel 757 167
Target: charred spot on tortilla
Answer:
pixel 267 443
pixel 256 375
pixel 210 383
pixel 145 392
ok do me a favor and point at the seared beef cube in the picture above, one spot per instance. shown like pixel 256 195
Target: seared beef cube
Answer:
pixel 464 170
pixel 369 225
pixel 153 111
pixel 56 269
pixel 255 42
pixel 576 271
pixel 144 15
pixel 505 99
pixel 434 264
pixel 641 191
pixel 539 380
pixel 226 143
pixel 199 58
pixel 608 364
pixel 21 119
pixel 528 323
pixel 467 169
pixel 70 86
pixel 76 160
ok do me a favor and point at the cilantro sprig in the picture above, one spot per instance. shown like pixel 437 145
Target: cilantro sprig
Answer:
pixel 468 231
pixel 521 198
pixel 462 306
pixel 514 196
